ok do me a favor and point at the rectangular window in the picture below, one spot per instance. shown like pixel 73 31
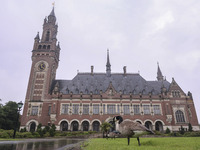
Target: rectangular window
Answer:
pixel 111 109
pixel 75 108
pixel 49 111
pixel 95 109
pixel 65 108
pixel 136 109
pixel 85 109
pixel 104 108
pixel 34 110
pixel 126 109
pixel 156 109
pixel 118 111
pixel 146 109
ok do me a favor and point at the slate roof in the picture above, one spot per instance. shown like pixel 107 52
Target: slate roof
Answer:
pixel 86 83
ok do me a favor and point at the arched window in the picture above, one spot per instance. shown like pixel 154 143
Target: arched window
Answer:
pixel 75 126
pixel 32 126
pixel 47 36
pixel 179 116
pixel 40 46
pixel 85 126
pixel 96 126
pixel 64 126
pixel 44 47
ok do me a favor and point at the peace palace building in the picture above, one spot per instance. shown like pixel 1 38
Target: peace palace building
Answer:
pixel 89 99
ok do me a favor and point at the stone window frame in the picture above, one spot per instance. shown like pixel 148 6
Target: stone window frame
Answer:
pixel 127 110
pixel 34 110
pixel 78 108
pixel 67 109
pixel 85 104
pixel 96 110
pixel 139 112
pixel 182 108
pixel 112 109
pixel 145 109
pixel 160 108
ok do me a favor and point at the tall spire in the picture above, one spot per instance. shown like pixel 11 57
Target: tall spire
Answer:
pixel 52 17
pixel 52 12
pixel 108 66
pixel 159 74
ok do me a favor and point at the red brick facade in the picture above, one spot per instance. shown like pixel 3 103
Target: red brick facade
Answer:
pixel 92 98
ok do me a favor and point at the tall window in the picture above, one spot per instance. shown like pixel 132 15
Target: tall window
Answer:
pixel 179 116
pixel 126 109
pixel 111 109
pixel 49 112
pixel 146 109
pixel 156 109
pixel 136 109
pixel 104 108
pixel 95 109
pixel 47 36
pixel 85 109
pixel 34 110
pixel 75 108
pixel 65 108
pixel 118 110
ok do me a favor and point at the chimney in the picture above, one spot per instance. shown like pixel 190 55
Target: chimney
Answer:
pixel 124 68
pixel 92 70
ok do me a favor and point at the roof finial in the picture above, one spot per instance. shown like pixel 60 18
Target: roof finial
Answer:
pixel 108 66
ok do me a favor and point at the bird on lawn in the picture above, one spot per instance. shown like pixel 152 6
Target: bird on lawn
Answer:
pixel 128 128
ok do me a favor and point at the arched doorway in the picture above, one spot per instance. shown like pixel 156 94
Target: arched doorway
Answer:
pixel 148 124
pixel 85 126
pixel 113 126
pixel 75 126
pixel 95 126
pixel 32 126
pixel 159 126
pixel 139 122
pixel 64 126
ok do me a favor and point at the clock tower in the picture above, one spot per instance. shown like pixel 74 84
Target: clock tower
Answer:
pixel 45 59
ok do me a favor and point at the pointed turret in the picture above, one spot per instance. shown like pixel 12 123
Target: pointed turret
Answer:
pixel 52 17
pixel 37 36
pixel 159 74
pixel 108 66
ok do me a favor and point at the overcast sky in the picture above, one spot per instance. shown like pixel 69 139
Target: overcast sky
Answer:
pixel 138 33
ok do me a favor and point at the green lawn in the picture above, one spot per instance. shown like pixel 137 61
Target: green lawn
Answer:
pixel 166 143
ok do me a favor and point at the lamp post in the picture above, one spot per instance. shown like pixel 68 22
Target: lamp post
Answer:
pixel 19 106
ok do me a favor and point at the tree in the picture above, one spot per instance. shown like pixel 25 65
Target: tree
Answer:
pixel 105 127
pixel 182 131
pixel 190 127
pixel 167 131
pixel 8 116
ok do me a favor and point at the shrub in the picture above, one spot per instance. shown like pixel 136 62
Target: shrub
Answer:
pixel 167 131
pixel 190 127
pixel 36 134
pixel 4 134
pixel 182 131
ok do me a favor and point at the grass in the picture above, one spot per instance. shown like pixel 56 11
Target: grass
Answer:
pixel 5 139
pixel 167 143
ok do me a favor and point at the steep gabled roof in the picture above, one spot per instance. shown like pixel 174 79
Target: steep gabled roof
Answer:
pixel 86 83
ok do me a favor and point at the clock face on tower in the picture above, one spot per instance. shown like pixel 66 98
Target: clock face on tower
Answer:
pixel 41 66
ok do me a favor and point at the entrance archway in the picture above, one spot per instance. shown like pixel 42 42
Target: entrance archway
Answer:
pixel 32 126
pixel 75 126
pixel 85 126
pixel 64 126
pixel 148 124
pixel 95 126
pixel 159 126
